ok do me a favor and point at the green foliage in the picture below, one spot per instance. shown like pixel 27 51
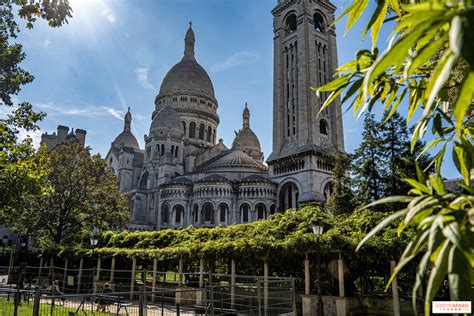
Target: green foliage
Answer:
pixel 341 199
pixel 23 169
pixel 428 68
pixel 367 164
pixel 283 239
pixel 82 195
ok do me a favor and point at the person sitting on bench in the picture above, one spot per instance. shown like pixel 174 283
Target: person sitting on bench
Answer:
pixel 103 302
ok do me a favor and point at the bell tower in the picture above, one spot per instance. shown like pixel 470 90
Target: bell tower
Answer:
pixel 305 56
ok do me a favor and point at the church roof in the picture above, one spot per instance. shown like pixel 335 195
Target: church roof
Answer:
pixel 215 177
pixel 255 177
pixel 232 159
pixel 187 76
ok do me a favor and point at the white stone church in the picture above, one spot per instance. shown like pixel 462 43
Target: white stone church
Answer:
pixel 184 176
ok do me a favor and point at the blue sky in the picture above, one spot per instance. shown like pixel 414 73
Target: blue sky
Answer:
pixel 114 54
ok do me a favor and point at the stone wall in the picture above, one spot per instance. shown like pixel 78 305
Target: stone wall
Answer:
pixel 358 305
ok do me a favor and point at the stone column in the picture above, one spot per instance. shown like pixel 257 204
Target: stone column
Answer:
pixel 396 302
pixel 265 285
pixel 201 272
pixel 112 270
pixel 340 273
pixel 153 282
pixel 180 271
pixel 200 294
pixel 79 275
pixel 232 283
pixel 132 277
pixel 307 277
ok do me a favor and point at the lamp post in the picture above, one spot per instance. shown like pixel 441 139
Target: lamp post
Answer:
pixel 94 240
pixel 318 228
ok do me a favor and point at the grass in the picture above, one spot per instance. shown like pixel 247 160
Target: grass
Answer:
pixel 26 309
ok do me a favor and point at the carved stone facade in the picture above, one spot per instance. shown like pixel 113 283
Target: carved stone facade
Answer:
pixel 184 177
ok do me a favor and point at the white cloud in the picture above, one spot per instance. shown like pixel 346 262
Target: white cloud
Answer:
pixel 142 78
pixel 235 60
pixel 46 43
pixel 86 111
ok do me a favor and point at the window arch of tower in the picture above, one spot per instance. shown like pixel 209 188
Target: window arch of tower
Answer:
pixel 319 22
pixel 290 58
pixel 291 23
pixel 323 127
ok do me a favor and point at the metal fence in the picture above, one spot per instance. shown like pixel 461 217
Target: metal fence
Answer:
pixel 247 296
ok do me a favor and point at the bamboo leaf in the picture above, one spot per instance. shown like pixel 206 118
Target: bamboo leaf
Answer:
pixel 459 276
pixel 355 13
pixel 437 275
pixel 464 100
pixel 438 78
pixel 388 220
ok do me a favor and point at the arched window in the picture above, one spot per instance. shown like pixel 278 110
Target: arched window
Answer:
pixel 192 130
pixel 272 209
pixel 196 212
pixel 165 214
pixel 318 22
pixel 214 136
pixel 291 23
pixel 209 133
pixel 201 131
pixel 178 213
pixel 184 128
pixel 162 149
pixel 323 127
pixel 289 196
pixel 244 213
pixel 208 211
pixel 261 210
pixel 176 151
pixel 222 212
pixel 328 189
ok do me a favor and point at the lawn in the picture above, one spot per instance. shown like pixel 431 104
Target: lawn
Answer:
pixel 26 309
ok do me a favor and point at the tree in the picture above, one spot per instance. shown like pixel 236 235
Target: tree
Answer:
pixel 427 69
pixel 22 168
pixel 83 195
pixel 367 164
pixel 397 158
pixel 341 199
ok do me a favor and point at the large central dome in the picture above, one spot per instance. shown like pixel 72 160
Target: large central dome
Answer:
pixel 187 75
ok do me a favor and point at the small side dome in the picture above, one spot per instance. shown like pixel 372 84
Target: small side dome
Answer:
pixel 167 119
pixel 246 140
pixel 126 138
